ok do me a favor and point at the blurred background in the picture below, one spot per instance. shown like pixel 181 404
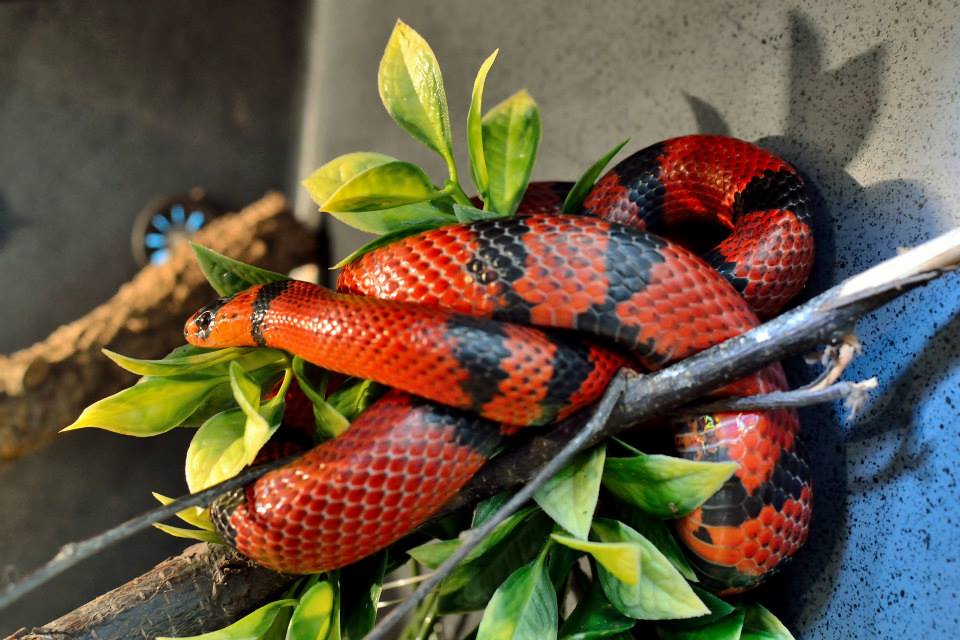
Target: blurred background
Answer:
pixel 106 106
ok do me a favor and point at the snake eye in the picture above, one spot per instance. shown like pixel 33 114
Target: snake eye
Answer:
pixel 204 322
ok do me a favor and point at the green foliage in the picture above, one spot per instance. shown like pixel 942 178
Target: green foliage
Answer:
pixel 360 587
pixel 228 276
pixel 574 200
pixel 330 422
pixel 511 134
pixel 594 618
pixel 353 399
pixel 621 559
pixel 661 593
pixel 760 624
pixel 250 627
pixel 524 607
pixel 151 407
pixel 326 180
pixel 665 486
pixel 411 88
pixel 472 214
pixel 478 163
pixel 197 516
pixel 190 534
pixel 202 363
pixel 393 184
pixel 726 628
pixel 658 532
pixel 217 450
pixel 570 497
pixel 315 613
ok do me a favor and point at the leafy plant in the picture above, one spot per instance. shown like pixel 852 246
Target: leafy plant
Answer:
pixel 599 530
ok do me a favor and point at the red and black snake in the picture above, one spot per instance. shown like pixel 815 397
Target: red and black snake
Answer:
pixel 486 327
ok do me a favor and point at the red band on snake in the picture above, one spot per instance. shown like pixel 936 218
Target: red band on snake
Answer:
pixel 524 321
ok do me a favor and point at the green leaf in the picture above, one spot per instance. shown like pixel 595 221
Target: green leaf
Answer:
pixel 433 554
pixel 360 587
pixel 621 559
pixel 486 508
pixel 472 214
pixel 313 616
pixel 330 422
pixel 574 200
pixel 191 534
pixel 522 608
pixel 228 276
pixel 727 628
pixel 760 623
pixel 383 241
pixel 151 407
pixel 594 617
pixel 246 392
pixel 197 516
pixel 323 183
pixel 661 594
pixel 478 164
pixel 217 450
pixel 184 365
pixel 388 185
pixel 352 400
pixel 511 133
pixel 665 486
pixel 411 88
pixel 659 533
pixel 250 627
pixel 718 609
pixel 570 497
pixel 513 543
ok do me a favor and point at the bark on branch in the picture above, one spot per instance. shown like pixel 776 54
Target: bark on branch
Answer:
pixel 824 319
pixel 44 387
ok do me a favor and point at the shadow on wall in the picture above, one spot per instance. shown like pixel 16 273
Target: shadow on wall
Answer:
pixel 831 115
pixel 8 222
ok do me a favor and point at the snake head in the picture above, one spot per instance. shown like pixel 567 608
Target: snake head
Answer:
pixel 225 322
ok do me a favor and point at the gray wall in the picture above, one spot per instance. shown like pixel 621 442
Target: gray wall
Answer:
pixel 860 95
pixel 103 107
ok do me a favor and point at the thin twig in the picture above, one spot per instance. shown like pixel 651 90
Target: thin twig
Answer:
pixel 476 536
pixel 74 552
pixel 852 393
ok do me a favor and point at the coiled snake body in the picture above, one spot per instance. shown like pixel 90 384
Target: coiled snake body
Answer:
pixel 523 321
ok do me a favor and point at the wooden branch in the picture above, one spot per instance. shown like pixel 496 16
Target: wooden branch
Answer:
pixel 826 318
pixel 44 387
pixel 204 588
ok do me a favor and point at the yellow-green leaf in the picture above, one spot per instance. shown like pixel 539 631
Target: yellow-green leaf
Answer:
pixel 197 363
pixel 190 534
pixel 250 627
pixel 197 516
pixel 246 392
pixel 511 134
pixel 216 451
pixel 313 617
pixel 595 618
pixel 323 182
pixel 660 534
pixel 570 497
pixel 661 594
pixel 622 559
pixel 151 407
pixel 665 486
pixel 382 187
pixel 524 607
pixel 478 164
pixel 411 88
